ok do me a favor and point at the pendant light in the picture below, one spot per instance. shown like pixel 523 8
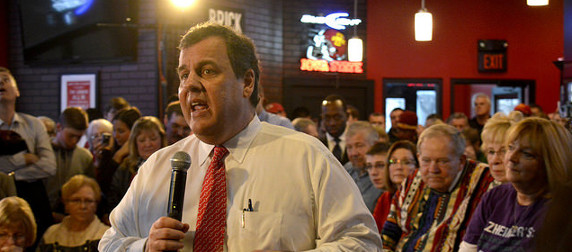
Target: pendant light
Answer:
pixel 537 2
pixel 355 44
pixel 423 24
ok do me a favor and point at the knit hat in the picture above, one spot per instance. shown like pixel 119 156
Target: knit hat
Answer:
pixel 407 120
pixel 524 109
pixel 274 108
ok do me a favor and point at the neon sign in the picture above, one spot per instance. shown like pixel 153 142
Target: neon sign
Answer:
pixel 335 20
pixel 333 66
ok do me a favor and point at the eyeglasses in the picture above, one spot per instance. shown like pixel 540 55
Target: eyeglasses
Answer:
pixel 377 166
pixel 81 201
pixel 404 162
pixel 18 238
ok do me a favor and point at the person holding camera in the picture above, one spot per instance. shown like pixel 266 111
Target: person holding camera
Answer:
pixel 99 136
pixel 70 158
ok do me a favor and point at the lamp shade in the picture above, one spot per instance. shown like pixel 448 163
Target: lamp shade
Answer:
pixel 182 3
pixel 423 26
pixel 537 2
pixel 355 49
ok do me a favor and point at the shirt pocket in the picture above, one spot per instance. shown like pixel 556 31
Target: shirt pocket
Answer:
pixel 254 230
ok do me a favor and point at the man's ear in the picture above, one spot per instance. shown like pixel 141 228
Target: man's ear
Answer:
pixel 249 79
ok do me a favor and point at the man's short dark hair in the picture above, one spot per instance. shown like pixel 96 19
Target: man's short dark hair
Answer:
pixel 396 109
pixel 332 98
pixel 457 115
pixel 300 112
pixel 75 118
pixel 378 148
pixel 240 50
pixel 128 116
pixel 353 111
pixel 117 103
pixel 376 114
pixel 173 108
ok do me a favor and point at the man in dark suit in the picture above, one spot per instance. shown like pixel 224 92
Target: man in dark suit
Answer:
pixel 334 119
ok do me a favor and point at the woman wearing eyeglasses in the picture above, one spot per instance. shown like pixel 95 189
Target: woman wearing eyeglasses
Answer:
pixel 81 230
pixel 537 163
pixel 17 225
pixel 387 169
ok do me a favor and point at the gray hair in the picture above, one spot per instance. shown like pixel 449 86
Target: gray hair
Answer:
pixel 480 95
pixel 96 124
pixel 301 124
pixel 364 127
pixel 457 141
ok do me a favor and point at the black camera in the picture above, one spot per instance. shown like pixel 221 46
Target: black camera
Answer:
pixel 105 138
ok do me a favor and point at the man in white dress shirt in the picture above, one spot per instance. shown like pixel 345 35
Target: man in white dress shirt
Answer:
pixel 302 198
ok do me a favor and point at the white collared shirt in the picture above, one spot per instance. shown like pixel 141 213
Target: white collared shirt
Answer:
pixel 332 141
pixel 302 197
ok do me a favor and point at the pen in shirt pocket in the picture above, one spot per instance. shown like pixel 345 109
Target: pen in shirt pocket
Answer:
pixel 248 209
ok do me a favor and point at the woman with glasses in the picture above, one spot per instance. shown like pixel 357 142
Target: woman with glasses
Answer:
pixel 387 169
pixel 17 225
pixel 493 136
pixel 80 230
pixel 537 163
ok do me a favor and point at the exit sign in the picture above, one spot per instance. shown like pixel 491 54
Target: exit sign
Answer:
pixel 492 55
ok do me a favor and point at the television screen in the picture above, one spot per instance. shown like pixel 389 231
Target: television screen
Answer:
pixel 78 31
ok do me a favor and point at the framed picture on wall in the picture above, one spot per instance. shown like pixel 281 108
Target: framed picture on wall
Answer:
pixel 78 90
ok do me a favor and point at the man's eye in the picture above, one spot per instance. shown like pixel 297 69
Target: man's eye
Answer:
pixel 183 76
pixel 207 71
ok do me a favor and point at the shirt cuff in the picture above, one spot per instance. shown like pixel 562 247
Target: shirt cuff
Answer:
pixel 139 245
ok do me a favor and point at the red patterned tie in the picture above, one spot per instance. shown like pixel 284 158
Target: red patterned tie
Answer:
pixel 211 221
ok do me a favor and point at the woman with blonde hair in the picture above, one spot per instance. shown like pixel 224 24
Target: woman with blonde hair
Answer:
pixel 537 163
pixel 80 229
pixel 493 136
pixel 147 136
pixel 17 224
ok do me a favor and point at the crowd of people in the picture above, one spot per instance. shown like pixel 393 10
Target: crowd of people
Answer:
pixel 90 180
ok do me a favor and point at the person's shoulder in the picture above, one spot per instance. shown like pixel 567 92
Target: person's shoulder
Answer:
pixel 83 152
pixel 51 232
pixel 502 190
pixel 286 134
pixel 478 172
pixel 29 119
pixel 279 120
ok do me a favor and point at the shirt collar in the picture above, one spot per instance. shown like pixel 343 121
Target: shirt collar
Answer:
pixel 458 177
pixel 342 137
pixel 237 145
pixel 16 119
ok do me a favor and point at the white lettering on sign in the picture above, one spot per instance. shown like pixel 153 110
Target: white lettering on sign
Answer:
pixel 227 18
pixel 335 20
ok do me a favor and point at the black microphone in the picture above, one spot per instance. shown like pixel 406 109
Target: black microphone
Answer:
pixel 180 162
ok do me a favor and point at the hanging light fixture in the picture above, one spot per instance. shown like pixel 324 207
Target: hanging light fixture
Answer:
pixel 537 2
pixel 423 24
pixel 355 44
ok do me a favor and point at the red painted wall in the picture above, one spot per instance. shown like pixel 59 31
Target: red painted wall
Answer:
pixel 535 36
